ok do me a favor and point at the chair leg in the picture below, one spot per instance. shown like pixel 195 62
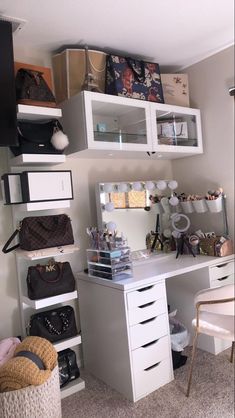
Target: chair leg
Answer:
pixel 232 352
pixel 192 362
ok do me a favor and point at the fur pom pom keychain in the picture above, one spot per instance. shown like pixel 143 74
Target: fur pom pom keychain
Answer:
pixel 59 140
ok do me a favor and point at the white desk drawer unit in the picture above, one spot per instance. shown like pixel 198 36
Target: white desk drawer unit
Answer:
pixel 151 378
pixel 145 295
pixel 149 340
pixel 146 311
pixel 151 353
pixel 222 281
pixel 148 331
pixel 221 271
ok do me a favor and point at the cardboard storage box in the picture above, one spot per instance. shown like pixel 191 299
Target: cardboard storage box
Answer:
pixel 69 71
pixel 175 89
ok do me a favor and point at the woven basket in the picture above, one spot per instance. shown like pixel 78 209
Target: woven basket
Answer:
pixel 42 401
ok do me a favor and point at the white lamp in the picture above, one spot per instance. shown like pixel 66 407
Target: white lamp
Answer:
pixel 161 185
pixel 173 184
pixel 108 187
pixel 109 207
pixel 173 201
pixel 149 185
pixel 111 226
pixel 137 186
pixel 122 187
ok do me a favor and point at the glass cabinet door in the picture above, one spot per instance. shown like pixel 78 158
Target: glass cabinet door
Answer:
pixel 176 128
pixel 117 123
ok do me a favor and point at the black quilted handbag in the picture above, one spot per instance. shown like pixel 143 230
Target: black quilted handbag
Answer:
pixel 54 325
pixel 48 280
pixel 68 369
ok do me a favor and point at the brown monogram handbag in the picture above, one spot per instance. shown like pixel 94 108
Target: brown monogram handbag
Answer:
pixel 37 232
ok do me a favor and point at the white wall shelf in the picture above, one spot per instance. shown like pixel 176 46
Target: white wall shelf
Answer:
pixel 72 387
pixel 47 252
pixel 70 342
pixel 37 112
pixel 43 303
pixel 37 159
pixel 24 258
pixel 53 204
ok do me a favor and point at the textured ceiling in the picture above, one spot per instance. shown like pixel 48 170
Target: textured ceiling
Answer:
pixel 173 33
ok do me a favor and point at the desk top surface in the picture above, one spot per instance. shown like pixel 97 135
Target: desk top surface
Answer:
pixel 159 268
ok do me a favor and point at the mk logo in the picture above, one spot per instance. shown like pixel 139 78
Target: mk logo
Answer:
pixel 50 268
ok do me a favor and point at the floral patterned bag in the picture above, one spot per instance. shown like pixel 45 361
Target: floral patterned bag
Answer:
pixel 133 78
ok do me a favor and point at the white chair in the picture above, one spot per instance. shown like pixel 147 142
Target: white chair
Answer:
pixel 214 317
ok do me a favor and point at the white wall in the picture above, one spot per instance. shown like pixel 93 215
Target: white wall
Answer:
pixel 209 81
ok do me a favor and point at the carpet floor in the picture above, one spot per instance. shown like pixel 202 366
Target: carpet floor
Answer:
pixel 212 394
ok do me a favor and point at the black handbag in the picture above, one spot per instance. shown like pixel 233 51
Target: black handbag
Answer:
pixel 54 325
pixel 35 137
pixel 68 369
pixel 37 232
pixel 31 87
pixel 48 280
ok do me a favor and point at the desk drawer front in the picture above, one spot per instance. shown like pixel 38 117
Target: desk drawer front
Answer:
pixel 147 311
pixel 148 331
pixel 150 354
pixel 146 381
pixel 222 281
pixel 145 295
pixel 222 270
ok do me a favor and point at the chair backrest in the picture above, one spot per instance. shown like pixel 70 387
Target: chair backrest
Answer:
pixel 217 293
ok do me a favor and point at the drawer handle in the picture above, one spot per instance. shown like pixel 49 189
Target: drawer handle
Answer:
pixel 146 304
pixel 148 320
pixel 222 265
pixel 223 278
pixel 148 344
pixel 144 288
pixel 152 367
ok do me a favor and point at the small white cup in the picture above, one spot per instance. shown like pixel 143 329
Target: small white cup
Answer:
pixel 215 206
pixel 187 206
pixel 200 205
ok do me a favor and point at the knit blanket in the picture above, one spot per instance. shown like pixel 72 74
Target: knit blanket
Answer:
pixel 20 371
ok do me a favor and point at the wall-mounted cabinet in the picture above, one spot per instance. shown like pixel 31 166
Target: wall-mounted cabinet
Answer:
pixel 102 126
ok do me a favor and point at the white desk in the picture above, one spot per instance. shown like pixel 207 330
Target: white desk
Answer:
pixel 125 330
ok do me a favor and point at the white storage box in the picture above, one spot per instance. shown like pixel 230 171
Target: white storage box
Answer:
pixel 11 188
pixel 175 89
pixel 39 186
